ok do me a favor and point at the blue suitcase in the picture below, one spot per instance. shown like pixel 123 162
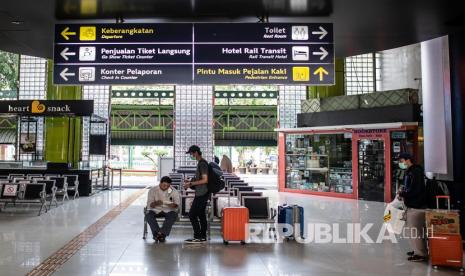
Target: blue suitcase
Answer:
pixel 291 214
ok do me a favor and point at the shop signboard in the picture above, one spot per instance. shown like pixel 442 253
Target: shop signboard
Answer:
pixel 370 133
pixel 198 53
pixel 398 135
pixel 47 107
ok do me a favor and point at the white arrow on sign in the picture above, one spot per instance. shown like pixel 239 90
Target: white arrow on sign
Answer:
pixel 65 53
pixel 323 53
pixel 64 74
pixel 322 33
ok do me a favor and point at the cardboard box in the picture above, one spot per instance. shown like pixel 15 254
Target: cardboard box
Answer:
pixel 442 222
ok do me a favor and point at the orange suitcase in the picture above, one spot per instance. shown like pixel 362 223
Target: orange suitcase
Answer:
pixel 445 249
pixel 234 223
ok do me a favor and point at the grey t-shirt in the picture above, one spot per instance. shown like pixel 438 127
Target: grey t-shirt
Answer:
pixel 202 168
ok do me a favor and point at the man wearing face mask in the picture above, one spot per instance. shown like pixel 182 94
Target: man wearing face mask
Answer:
pixel 197 213
pixel 413 193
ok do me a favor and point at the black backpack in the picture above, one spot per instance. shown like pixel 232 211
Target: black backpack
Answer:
pixel 435 188
pixel 215 178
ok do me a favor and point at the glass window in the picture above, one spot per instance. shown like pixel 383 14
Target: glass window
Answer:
pixel 359 78
pixel 319 162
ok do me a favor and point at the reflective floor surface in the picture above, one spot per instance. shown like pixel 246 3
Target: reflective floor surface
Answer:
pixel 27 239
pixel 119 249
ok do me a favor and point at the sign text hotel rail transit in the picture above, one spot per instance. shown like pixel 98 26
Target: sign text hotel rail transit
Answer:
pixel 203 53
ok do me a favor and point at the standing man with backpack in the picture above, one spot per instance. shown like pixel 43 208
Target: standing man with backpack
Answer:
pixel 414 195
pixel 199 183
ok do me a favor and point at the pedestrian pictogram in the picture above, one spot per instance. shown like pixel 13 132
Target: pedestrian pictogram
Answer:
pixel 300 73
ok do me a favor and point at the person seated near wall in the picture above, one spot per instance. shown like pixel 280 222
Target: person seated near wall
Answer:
pixel 162 202
pixel 226 164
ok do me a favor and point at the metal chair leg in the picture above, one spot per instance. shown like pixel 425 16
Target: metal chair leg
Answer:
pixel 41 206
pixel 144 235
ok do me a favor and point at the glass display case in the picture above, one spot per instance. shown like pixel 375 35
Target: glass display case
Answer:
pixel 319 163
pixel 356 161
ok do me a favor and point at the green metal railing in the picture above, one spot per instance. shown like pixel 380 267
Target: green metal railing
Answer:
pixel 230 122
pixel 8 122
pixel 142 118
pixel 244 119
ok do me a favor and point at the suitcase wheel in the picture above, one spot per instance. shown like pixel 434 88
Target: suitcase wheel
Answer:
pixel 242 242
pixel 225 242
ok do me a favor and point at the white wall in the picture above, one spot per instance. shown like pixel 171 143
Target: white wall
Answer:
pixel 400 67
pixel 437 107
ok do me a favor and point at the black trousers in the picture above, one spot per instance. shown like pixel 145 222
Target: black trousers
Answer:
pixel 198 216
pixel 170 219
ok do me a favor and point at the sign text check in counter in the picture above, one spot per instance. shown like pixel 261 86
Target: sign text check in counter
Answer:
pixel 197 53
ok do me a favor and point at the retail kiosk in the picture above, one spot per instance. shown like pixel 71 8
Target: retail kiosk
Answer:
pixel 347 161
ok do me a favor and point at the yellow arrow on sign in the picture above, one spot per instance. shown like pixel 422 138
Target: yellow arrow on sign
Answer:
pixel 320 71
pixel 65 33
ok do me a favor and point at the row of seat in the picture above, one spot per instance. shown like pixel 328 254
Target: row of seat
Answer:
pixel 37 188
pixel 236 193
pixel 239 193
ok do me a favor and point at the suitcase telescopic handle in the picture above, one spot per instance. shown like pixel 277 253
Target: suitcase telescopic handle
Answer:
pixel 443 197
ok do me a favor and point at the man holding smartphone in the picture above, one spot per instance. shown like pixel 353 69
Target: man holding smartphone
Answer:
pixel 162 201
pixel 197 212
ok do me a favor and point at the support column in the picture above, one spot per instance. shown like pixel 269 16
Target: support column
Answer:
pixel 289 105
pixel 437 121
pixel 100 94
pixel 194 122
pixel 457 69
pixel 63 134
pixel 131 157
pixel 32 86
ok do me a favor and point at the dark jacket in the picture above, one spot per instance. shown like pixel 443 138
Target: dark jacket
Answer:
pixel 414 191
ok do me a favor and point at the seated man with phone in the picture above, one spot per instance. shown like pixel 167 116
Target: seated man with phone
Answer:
pixel 162 201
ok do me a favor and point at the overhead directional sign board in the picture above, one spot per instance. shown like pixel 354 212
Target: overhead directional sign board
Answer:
pixel 203 53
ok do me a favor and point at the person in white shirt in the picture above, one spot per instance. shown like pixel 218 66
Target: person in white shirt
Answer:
pixel 162 201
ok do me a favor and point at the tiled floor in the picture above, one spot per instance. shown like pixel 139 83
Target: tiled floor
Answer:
pixel 27 239
pixel 119 249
